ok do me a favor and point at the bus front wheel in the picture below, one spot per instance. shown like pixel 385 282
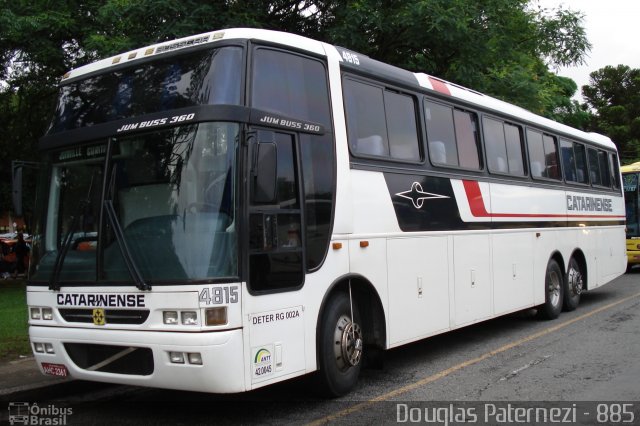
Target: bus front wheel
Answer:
pixel 574 284
pixel 340 346
pixel 554 286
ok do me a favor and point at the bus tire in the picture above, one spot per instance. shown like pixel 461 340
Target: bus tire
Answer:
pixel 573 286
pixel 339 347
pixel 553 289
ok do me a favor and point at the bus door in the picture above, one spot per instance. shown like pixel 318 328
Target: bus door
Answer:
pixel 275 256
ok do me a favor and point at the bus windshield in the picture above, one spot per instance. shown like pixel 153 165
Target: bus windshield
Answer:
pixel 173 192
pixel 204 77
pixel 630 181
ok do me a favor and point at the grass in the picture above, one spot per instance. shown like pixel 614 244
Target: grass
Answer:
pixel 14 338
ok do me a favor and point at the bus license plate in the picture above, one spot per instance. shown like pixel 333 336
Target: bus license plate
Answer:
pixel 58 370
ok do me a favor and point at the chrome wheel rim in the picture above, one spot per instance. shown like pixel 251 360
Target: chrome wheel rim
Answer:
pixel 576 282
pixel 347 343
pixel 554 288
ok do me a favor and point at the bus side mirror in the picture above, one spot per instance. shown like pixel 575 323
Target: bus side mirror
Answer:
pixel 17 168
pixel 266 169
pixel 16 188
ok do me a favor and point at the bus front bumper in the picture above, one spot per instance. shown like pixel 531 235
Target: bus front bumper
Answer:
pixel 144 358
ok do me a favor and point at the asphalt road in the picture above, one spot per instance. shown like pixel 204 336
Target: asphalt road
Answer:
pixel 591 354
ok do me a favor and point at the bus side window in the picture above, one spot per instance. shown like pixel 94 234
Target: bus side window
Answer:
pixel 543 154
pixel 594 167
pixel 364 104
pixel 381 123
pixel 290 84
pixel 453 136
pixel 441 134
pixel 615 171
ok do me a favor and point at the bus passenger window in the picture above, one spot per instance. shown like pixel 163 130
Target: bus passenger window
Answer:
pixel 513 138
pixel 381 123
pixel 543 154
pixel 574 161
pixel 503 142
pixel 401 125
pixel 466 139
pixel 615 170
pixel 594 167
pixel 452 136
pixel 495 144
pixel 441 134
pixel 364 104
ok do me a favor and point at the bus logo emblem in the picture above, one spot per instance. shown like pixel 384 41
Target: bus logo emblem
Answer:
pixel 98 316
pixel 417 195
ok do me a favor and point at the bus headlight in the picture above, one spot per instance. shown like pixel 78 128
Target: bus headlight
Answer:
pixel 216 316
pixel 36 313
pixel 176 357
pixel 47 314
pixel 189 317
pixel 170 317
pixel 38 347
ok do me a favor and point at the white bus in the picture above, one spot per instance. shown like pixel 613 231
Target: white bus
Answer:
pixel 237 208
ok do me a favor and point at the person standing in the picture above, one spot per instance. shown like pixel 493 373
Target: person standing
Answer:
pixel 22 251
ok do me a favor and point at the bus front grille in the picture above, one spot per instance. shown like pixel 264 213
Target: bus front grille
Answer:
pixel 111 316
pixel 111 359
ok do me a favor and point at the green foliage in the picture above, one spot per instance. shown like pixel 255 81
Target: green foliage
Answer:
pixel 614 94
pixel 500 47
pixel 14 339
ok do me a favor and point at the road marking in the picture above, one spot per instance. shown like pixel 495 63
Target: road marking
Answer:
pixel 430 379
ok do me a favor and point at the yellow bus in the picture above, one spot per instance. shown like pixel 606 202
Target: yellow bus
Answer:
pixel 630 178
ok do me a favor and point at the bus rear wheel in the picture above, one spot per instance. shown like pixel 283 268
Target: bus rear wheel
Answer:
pixel 554 286
pixel 340 347
pixel 574 284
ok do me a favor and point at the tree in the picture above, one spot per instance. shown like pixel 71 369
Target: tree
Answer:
pixel 500 47
pixel 614 95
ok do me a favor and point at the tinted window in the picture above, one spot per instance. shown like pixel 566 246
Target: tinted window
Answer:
pixel 466 139
pixel 543 155
pixel 441 134
pixel 292 85
pixel 494 141
pixel 296 86
pixel 401 125
pixel 203 77
pixel 381 123
pixel 275 241
pixel 615 171
pixel 318 179
pixel 582 172
pixel 594 168
pixel 504 147
pixel 552 164
pixel 366 119
pixel 452 135
pixel 605 174
pixel 513 136
pixel 573 161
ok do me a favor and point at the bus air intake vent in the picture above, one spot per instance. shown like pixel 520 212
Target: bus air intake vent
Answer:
pixel 111 316
pixel 128 360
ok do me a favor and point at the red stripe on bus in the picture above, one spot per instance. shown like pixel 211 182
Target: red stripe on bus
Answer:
pixel 478 208
pixel 439 86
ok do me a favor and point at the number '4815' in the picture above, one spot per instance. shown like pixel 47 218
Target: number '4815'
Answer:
pixel 218 295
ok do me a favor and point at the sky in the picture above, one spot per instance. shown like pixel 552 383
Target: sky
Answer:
pixel 613 29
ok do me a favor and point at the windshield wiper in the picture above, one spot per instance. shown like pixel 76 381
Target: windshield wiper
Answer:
pixel 124 249
pixel 54 283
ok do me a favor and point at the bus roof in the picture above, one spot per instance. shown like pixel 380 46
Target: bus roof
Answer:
pixel 363 64
pixel 635 167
